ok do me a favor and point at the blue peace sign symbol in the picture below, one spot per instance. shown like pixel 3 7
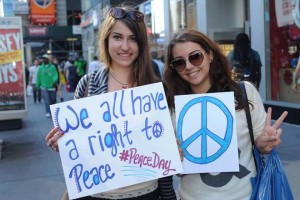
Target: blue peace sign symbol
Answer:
pixel 157 129
pixel 204 132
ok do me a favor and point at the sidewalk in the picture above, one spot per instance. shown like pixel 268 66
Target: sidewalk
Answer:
pixel 30 170
pixel 289 155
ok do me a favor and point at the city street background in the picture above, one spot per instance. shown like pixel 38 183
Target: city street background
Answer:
pixel 30 170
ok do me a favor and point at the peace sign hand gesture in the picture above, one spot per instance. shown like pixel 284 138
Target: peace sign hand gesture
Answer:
pixel 271 136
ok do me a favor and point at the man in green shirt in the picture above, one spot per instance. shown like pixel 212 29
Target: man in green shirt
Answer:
pixel 80 63
pixel 47 77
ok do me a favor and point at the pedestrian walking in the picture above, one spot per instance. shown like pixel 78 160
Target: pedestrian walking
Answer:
pixel 33 71
pixel 62 82
pixel 61 78
pixel 158 62
pixel 245 61
pixel 94 65
pixel 47 81
pixel 72 76
pixel 81 64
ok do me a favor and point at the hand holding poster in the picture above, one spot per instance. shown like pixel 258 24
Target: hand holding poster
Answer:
pixel 116 139
pixel 206 129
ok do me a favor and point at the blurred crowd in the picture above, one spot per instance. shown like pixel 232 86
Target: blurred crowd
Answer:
pixel 48 76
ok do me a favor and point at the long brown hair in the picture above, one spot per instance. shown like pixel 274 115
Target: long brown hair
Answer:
pixel 219 72
pixel 143 70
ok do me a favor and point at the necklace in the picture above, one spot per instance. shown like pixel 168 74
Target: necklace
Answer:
pixel 124 85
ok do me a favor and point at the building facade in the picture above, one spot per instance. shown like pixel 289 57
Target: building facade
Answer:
pixel 273 27
pixel 48 26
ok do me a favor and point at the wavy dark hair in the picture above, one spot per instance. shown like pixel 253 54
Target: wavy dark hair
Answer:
pixel 143 70
pixel 241 49
pixel 219 72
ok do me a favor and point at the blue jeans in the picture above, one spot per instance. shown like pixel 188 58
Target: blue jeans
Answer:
pixel 49 97
pixel 36 93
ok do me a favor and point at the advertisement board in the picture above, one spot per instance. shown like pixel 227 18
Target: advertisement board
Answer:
pixel 12 70
pixel 43 11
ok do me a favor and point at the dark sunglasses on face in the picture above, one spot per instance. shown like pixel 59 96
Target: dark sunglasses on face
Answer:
pixel 195 59
pixel 119 13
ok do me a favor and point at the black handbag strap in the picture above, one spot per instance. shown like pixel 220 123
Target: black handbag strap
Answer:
pixel 249 121
pixel 247 110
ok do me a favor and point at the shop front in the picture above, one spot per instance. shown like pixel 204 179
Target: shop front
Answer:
pixel 60 41
pixel 274 30
pixel 283 40
pixel 220 20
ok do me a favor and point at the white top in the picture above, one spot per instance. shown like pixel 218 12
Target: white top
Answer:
pixel 33 73
pixel 66 66
pixel 234 185
pixel 94 66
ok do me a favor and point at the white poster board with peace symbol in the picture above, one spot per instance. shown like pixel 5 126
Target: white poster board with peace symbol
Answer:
pixel 116 139
pixel 206 129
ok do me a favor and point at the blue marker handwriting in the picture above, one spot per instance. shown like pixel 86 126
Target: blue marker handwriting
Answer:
pixel 112 132
pixel 109 110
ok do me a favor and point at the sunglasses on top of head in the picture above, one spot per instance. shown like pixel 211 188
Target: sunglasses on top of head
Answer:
pixel 195 59
pixel 119 13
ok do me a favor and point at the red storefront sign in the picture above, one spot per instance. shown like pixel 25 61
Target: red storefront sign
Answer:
pixel 37 31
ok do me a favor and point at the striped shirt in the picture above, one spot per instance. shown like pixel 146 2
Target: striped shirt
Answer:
pixel 96 82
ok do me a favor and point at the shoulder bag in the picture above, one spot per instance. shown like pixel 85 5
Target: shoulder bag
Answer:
pixel 270 183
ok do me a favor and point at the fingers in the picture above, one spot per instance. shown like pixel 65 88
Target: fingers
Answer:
pixel 273 142
pixel 267 142
pixel 55 139
pixel 269 117
pixel 52 145
pixel 276 142
pixel 280 120
pixel 52 138
pixel 267 139
pixel 51 133
pixel 278 134
pixel 272 134
pixel 274 137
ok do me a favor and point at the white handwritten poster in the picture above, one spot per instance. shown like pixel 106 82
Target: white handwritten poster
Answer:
pixel 116 139
pixel 206 129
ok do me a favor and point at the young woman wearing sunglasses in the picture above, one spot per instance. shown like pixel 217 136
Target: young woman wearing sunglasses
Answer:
pixel 125 51
pixel 196 65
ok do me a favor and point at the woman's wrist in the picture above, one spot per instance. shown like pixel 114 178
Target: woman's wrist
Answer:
pixel 261 148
